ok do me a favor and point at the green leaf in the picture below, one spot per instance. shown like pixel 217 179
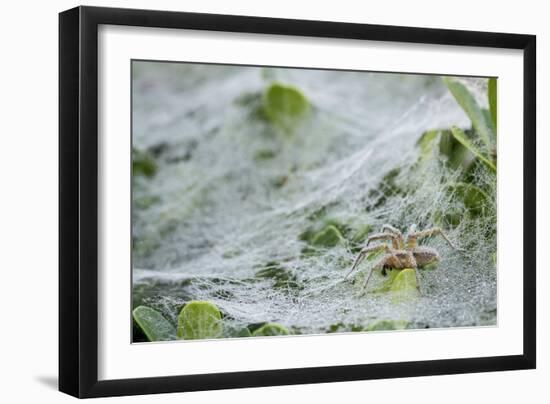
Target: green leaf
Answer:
pixel 492 96
pixel 444 142
pixel 284 105
pixel 404 286
pixel 244 333
pixel 279 181
pixel 341 327
pixel 472 109
pixel 270 329
pixel 282 277
pixel 457 155
pixel 488 119
pixel 386 325
pixel 405 280
pixel 360 235
pixel 463 139
pixel 320 221
pixel 153 324
pixel 474 198
pixel 236 332
pixel 330 236
pixel 143 163
pixel 390 275
pixel 427 143
pixel 146 201
pixel 264 154
pixel 199 320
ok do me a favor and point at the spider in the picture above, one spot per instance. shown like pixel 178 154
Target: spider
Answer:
pixel 404 252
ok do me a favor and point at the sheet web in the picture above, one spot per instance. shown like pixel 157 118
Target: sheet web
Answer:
pixel 224 217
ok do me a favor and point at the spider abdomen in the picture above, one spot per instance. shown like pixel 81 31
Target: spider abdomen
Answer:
pixel 425 256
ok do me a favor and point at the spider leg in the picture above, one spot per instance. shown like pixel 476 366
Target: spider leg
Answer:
pixel 414 266
pixel 417 281
pixel 398 242
pixel 363 253
pixel 412 237
pixel 390 228
pixel 384 236
pixel 378 265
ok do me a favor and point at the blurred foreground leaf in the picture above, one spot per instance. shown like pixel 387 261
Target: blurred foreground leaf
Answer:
pixel 427 143
pixel 244 333
pixel 199 320
pixel 386 325
pixel 465 99
pixel 359 237
pixel 328 237
pixel 153 324
pixel 284 105
pixel 270 329
pixel 492 95
pixel 143 163
pixel 467 143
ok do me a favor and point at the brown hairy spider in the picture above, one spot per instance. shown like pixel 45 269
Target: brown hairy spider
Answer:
pixel 404 252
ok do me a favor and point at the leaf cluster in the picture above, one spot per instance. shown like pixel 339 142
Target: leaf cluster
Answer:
pixel 196 320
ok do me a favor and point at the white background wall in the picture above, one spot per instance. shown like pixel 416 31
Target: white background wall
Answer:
pixel 28 199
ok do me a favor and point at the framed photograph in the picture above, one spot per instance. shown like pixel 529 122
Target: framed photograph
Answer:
pixel 251 201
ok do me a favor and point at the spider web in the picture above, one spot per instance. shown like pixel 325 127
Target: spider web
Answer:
pixel 232 197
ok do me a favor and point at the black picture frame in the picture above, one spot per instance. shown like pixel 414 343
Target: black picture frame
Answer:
pixel 78 200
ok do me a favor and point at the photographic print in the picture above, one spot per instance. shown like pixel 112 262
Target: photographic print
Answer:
pixel 277 201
